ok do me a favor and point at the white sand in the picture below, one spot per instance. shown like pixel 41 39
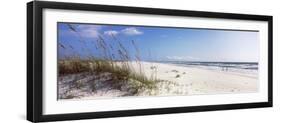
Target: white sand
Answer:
pixel 182 81
pixel 193 80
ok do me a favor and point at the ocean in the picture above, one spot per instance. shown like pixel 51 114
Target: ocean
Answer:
pixel 247 68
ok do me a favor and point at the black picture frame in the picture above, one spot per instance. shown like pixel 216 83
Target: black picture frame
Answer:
pixel 35 69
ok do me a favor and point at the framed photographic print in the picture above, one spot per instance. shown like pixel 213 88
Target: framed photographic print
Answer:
pixel 95 61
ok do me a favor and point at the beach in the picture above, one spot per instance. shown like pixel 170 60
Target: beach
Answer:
pixel 130 62
pixel 205 81
pixel 175 80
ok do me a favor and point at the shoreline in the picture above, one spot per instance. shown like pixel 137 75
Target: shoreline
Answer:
pixel 242 72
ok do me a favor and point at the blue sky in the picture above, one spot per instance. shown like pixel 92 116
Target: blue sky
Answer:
pixel 160 43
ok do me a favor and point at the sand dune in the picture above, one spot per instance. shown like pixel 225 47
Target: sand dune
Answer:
pixel 181 81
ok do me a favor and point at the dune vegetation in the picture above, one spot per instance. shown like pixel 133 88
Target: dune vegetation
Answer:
pixel 111 62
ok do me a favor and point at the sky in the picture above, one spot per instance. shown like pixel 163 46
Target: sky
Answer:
pixel 160 43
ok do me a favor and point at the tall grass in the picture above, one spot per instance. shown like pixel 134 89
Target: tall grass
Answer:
pixel 115 60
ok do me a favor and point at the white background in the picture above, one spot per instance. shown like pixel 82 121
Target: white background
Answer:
pixel 13 61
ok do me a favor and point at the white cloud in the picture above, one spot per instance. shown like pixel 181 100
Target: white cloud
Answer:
pixel 182 58
pixel 174 57
pixel 131 31
pixel 110 32
pixel 191 58
pixel 88 31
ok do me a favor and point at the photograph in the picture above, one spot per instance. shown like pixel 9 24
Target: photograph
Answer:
pixel 101 61
pixel 90 61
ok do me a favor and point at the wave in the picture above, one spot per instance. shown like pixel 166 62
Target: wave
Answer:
pixel 249 68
